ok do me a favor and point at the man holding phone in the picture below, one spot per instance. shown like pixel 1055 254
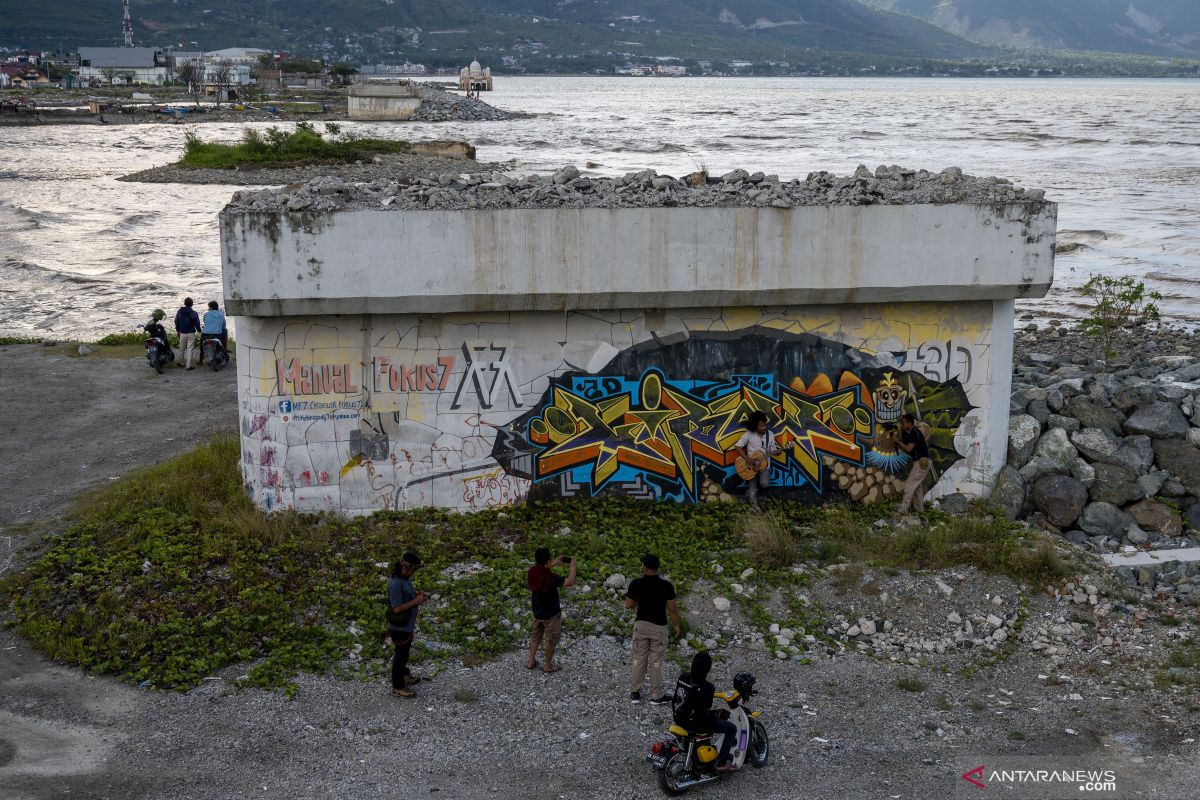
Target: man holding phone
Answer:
pixel 402 621
pixel 544 584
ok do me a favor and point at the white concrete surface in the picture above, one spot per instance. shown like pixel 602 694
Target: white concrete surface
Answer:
pixel 1143 558
pixel 380 102
pixel 389 262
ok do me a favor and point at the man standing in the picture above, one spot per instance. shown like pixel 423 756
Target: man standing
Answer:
pixel 756 446
pixel 912 441
pixel 402 621
pixel 187 325
pixel 653 597
pixel 547 613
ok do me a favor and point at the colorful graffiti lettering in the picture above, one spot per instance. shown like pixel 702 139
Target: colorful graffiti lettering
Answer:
pixel 649 434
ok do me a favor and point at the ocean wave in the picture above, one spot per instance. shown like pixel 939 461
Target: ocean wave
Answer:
pixel 661 147
pixel 1168 277
pixel 1085 236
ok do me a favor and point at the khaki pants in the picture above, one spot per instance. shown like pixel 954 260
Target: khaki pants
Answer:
pixel 187 346
pixel 913 492
pixel 649 648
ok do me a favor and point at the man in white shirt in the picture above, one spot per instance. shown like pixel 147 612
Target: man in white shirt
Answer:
pixel 759 440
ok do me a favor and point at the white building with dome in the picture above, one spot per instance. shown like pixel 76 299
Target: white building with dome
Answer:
pixel 475 78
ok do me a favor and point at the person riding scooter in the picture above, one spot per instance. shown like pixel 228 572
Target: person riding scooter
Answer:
pixel 692 707
pixel 213 327
pixel 156 330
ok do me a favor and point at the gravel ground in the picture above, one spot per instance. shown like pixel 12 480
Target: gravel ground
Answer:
pixel 840 726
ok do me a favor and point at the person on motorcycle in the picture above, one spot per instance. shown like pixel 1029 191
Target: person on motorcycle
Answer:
pixel 692 707
pixel 213 327
pixel 156 330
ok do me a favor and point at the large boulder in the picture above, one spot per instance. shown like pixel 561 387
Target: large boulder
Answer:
pixel 1154 516
pixel 1060 498
pixel 1040 466
pixel 1009 493
pixel 1091 415
pixel 1192 517
pixel 1055 445
pixel 1114 484
pixel 1023 432
pixel 1158 420
pixel 1083 472
pixel 1096 444
pixel 1104 519
pixel 1135 453
pixel 1068 424
pixel 1181 460
pixel 1137 392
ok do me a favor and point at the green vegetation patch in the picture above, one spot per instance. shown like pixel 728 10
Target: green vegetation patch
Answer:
pixel 276 147
pixel 171 574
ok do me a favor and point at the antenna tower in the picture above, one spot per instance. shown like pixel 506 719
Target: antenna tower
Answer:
pixel 128 27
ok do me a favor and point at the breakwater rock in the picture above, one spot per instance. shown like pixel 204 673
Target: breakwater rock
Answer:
pixel 1106 453
pixel 568 188
pixel 438 105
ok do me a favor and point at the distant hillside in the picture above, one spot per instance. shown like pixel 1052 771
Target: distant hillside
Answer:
pixel 1154 27
pixel 714 29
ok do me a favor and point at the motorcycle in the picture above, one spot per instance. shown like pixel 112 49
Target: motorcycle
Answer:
pixel 212 351
pixel 158 353
pixel 685 759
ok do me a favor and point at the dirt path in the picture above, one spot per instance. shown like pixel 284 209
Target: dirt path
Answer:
pixel 839 728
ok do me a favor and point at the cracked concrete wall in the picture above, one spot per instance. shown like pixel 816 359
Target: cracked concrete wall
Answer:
pixel 358 413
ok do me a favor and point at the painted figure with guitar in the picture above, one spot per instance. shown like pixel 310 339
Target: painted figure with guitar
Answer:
pixel 754 449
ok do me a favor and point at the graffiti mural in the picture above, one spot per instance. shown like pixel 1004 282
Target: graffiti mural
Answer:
pixel 661 420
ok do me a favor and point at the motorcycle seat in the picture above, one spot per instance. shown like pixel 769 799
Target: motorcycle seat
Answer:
pixel 678 730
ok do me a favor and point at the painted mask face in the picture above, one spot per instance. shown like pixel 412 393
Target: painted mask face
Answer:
pixel 889 399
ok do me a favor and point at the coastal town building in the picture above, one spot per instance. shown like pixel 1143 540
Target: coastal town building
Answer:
pixel 475 78
pixel 478 351
pixel 249 56
pixel 125 65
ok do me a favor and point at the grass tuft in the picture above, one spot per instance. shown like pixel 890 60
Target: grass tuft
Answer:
pixel 771 543
pixel 911 684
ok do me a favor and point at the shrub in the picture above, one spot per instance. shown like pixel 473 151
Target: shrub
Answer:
pixel 770 542
pixel 1117 304
pixel 910 684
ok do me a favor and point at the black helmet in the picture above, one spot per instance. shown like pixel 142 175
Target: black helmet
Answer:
pixel 743 682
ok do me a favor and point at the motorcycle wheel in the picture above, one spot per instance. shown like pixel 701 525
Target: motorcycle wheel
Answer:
pixel 672 773
pixel 158 366
pixel 760 747
pixel 218 361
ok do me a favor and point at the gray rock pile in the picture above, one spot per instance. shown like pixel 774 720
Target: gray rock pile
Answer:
pixel 568 188
pixel 438 105
pixel 1108 455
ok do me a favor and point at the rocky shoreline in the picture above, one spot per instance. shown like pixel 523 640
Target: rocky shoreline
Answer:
pixel 1106 453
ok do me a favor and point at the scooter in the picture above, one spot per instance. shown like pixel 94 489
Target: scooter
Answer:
pixel 685 759
pixel 158 353
pixel 212 351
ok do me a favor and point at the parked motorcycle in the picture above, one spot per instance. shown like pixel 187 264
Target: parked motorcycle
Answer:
pixel 212 351
pixel 158 353
pixel 685 759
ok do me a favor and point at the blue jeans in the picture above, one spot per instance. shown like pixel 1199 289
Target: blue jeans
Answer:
pixel 730 730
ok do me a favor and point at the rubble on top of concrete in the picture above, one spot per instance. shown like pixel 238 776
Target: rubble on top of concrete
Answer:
pixel 438 105
pixel 567 188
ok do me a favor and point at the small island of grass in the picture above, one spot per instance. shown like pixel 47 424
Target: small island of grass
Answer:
pixel 276 147
pixel 278 156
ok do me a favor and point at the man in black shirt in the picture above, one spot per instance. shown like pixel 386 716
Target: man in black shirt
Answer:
pixel 912 441
pixel 653 597
pixel 692 707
